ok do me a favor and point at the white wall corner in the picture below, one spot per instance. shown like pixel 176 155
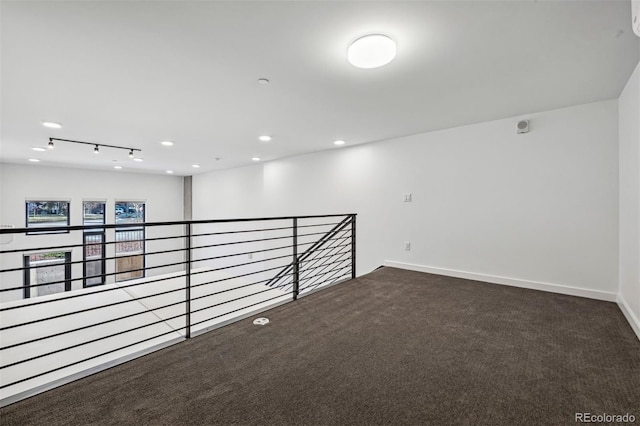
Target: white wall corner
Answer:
pixel 629 315
pixel 514 282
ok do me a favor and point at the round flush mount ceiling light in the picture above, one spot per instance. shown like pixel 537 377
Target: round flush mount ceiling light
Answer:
pixel 51 125
pixel 38 149
pixel 167 143
pixel 338 142
pixel 371 51
pixel 255 158
pixel 265 138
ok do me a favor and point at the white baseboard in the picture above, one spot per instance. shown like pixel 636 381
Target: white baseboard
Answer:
pixel 514 282
pixel 629 315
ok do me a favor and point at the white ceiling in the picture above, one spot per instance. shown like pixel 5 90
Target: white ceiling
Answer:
pixel 136 73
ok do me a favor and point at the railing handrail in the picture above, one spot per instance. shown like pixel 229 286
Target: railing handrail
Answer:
pixel 35 230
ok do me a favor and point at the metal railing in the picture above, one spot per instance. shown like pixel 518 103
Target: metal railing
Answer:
pixel 195 276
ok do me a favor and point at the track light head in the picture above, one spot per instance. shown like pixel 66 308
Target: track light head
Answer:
pixel 131 154
pixel 96 150
pixel 50 145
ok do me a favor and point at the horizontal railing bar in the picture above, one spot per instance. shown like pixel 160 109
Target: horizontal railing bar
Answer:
pixel 74 296
pixel 66 314
pixel 165 265
pixel 233 277
pixel 92 341
pixel 328 280
pixel 125 316
pixel 84 327
pixel 261 229
pixel 236 299
pixel 229 289
pixel 208 234
pixel 325 279
pixel 132 285
pixel 327 272
pixel 325 249
pixel 329 256
pixel 97 258
pixel 90 358
pixel 340 261
pixel 242 242
pixel 4 231
pixel 241 253
pixel 239 309
pixel 128 270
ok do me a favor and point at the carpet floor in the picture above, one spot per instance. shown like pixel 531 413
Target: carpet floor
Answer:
pixel 392 347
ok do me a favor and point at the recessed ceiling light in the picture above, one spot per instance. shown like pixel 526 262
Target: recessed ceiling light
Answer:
pixel 263 81
pixel 265 138
pixel 167 143
pixel 117 167
pixel 51 125
pixel 195 166
pixel 255 159
pixel 170 172
pixel 138 159
pixel 34 160
pixel 371 51
pixel 338 142
pixel 39 149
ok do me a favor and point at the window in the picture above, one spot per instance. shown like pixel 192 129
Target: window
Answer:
pixel 44 214
pixel 94 247
pixel 50 273
pixel 130 240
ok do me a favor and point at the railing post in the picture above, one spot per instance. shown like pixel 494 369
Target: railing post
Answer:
pixel 188 282
pixel 296 270
pixel 353 246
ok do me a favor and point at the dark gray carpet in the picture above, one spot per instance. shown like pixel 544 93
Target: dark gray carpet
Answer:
pixel 392 347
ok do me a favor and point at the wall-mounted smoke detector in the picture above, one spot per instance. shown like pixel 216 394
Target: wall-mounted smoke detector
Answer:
pixel 523 126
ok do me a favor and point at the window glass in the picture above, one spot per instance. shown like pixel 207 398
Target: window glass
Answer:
pixel 129 212
pixel 43 214
pixel 93 212
pixel 48 273
pixel 130 240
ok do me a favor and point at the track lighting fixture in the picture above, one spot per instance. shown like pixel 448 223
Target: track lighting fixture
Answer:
pixel 96 146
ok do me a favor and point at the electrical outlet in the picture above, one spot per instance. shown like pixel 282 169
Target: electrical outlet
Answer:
pixel 407 245
pixel 406 197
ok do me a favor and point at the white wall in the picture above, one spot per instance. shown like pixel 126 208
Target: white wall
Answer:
pixel 629 134
pixel 539 207
pixel 18 183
